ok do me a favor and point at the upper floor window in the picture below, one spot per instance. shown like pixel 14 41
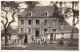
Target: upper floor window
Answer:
pixel 22 22
pixel 37 22
pixel 54 22
pixel 46 22
pixel 29 22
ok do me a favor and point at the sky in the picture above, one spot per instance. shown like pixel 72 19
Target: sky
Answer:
pixel 42 3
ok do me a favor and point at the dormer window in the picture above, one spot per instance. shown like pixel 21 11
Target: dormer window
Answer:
pixel 19 15
pixel 29 14
pixel 46 13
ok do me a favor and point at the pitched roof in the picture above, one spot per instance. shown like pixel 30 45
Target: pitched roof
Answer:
pixel 38 11
pixel 66 27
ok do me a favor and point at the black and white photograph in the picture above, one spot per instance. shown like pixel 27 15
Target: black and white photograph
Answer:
pixel 40 25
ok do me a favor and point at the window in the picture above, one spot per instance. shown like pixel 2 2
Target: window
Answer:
pixel 54 29
pixel 61 27
pixel 46 13
pixel 29 22
pixel 26 30
pixel 22 22
pixel 37 22
pixel 29 30
pixel 29 14
pixel 54 22
pixel 21 30
pixel 45 30
pixel 19 15
pixel 46 22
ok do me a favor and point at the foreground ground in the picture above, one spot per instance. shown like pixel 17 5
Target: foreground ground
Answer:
pixel 42 47
pixel 33 46
pixel 48 46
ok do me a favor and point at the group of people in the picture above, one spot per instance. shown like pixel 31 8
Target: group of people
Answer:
pixel 20 39
pixel 39 40
pixel 16 41
pixel 62 42
pixel 42 41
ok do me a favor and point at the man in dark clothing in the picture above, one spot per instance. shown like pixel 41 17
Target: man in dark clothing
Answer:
pixel 51 38
pixel 33 38
pixel 61 41
pixel 25 40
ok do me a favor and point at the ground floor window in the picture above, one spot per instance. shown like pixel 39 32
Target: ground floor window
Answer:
pixel 45 30
pixel 21 30
pixel 54 22
pixel 29 30
pixel 61 27
pixel 54 29
pixel 22 22
pixel 37 32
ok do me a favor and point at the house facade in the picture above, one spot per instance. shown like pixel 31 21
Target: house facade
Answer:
pixel 40 22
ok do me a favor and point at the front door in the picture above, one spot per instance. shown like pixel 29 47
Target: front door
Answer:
pixel 37 33
pixel 25 40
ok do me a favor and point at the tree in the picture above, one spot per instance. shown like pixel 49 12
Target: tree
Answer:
pixel 32 3
pixel 75 15
pixel 58 14
pixel 66 13
pixel 13 9
pixel 9 33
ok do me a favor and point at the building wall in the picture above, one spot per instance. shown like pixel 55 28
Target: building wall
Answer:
pixel 41 25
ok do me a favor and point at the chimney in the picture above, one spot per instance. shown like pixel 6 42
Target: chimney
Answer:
pixel 51 3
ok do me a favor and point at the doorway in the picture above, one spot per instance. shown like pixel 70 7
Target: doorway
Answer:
pixel 25 40
pixel 37 33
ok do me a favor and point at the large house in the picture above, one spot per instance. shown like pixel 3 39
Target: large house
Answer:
pixel 40 22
